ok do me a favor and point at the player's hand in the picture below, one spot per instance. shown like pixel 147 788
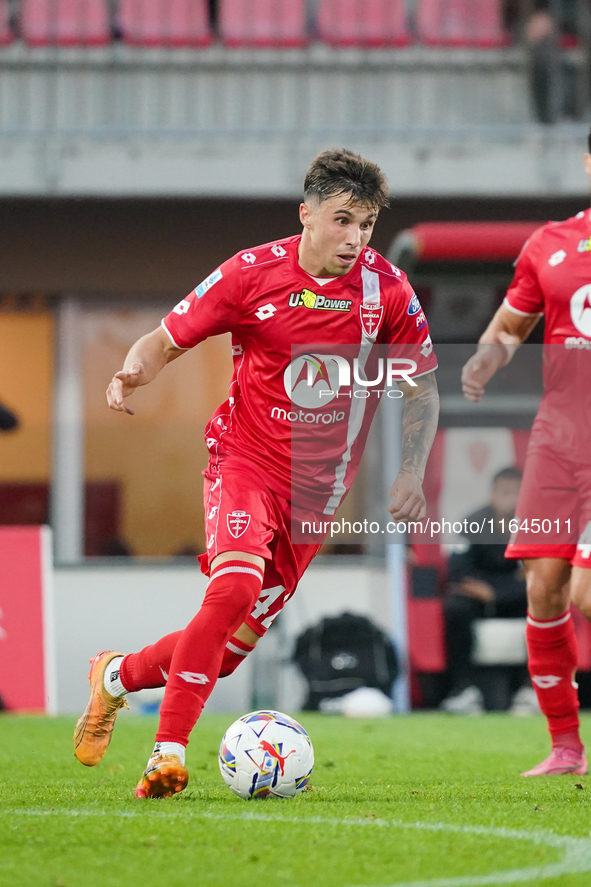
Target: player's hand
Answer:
pixel 408 501
pixel 483 365
pixel 122 385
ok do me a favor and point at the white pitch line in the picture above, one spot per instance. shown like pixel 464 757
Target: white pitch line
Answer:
pixel 576 860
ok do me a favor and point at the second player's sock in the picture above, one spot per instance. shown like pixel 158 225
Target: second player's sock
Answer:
pixel 552 661
pixel 196 662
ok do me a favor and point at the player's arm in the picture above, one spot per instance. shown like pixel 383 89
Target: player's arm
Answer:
pixel 497 345
pixel 419 424
pixel 144 361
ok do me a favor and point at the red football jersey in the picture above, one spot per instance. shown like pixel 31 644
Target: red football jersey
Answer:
pixel 553 277
pixel 288 410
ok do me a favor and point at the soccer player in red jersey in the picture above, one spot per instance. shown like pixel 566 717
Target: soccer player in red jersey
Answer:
pixel 552 278
pixel 323 285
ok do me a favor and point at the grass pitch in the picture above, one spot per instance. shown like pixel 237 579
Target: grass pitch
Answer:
pixel 427 800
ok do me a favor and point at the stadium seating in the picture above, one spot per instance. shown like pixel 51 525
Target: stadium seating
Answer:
pixel 263 23
pixel 365 23
pixel 6 35
pixel 461 23
pixel 175 23
pixel 65 22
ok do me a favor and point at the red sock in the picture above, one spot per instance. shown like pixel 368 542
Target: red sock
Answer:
pixel 151 666
pixel 235 652
pixel 552 655
pixel 196 662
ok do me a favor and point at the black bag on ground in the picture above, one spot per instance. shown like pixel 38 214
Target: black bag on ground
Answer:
pixel 343 653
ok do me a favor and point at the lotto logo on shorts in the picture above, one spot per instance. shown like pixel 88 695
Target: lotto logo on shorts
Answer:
pixel 238 522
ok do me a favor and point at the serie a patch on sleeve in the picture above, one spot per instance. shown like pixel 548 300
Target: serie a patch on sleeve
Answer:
pixel 208 282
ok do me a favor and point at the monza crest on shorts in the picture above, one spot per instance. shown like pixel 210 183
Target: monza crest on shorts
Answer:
pixel 238 522
pixel 371 317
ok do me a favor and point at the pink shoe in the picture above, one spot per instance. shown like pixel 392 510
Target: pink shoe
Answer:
pixel 559 762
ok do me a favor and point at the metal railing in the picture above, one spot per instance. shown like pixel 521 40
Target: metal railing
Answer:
pixel 120 93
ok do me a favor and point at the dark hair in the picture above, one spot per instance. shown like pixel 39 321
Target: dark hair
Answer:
pixel 510 473
pixel 338 171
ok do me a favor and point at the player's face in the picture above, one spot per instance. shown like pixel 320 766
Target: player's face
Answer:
pixel 587 161
pixel 335 232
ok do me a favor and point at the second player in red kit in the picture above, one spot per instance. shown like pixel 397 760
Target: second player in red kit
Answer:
pixel 325 285
pixel 554 507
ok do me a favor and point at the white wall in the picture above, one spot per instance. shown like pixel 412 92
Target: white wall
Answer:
pixel 127 607
pixel 439 122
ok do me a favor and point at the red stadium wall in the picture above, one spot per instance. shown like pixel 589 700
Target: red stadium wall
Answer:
pixel 27 658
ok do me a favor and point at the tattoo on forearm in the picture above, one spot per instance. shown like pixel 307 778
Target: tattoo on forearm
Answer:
pixel 419 424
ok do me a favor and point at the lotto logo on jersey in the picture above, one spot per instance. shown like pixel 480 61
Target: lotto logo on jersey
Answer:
pixel 427 347
pixel 208 283
pixel 310 300
pixel 238 522
pixel 557 257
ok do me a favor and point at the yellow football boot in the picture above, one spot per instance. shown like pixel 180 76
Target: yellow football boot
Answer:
pixel 94 729
pixel 163 777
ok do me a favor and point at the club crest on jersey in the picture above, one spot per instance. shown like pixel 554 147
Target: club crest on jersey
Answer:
pixel 371 317
pixel 584 246
pixel 238 522
pixel 321 303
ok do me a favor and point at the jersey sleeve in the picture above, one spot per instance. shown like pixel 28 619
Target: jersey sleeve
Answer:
pixel 524 295
pixel 210 309
pixel 407 330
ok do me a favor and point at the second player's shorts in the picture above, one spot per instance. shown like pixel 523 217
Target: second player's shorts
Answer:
pixel 553 510
pixel 242 514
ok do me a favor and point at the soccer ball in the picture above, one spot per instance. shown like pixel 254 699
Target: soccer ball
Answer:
pixel 266 754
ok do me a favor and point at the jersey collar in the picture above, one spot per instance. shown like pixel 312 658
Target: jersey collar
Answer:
pixel 351 277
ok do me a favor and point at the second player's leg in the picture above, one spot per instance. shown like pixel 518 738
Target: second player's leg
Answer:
pixel 552 662
pixel 580 589
pixel 547 587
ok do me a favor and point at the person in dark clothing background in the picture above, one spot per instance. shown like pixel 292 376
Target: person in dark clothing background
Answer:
pixel 482 583
pixel 8 421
